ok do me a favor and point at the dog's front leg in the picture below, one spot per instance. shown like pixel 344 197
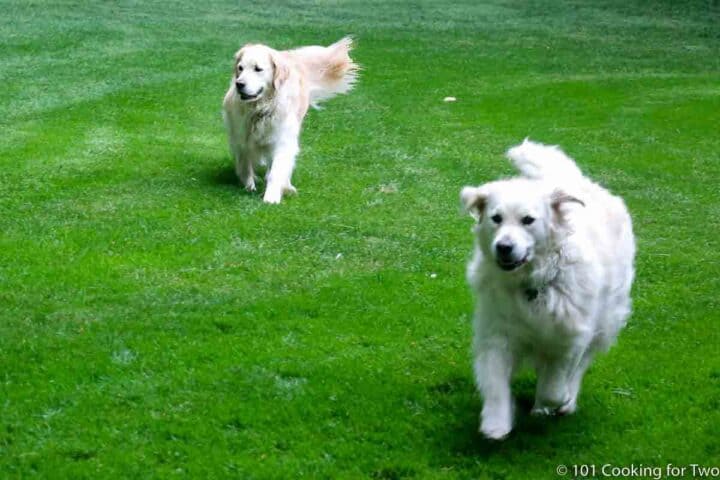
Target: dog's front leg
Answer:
pixel 493 372
pixel 575 382
pixel 241 152
pixel 245 171
pixel 554 378
pixel 280 173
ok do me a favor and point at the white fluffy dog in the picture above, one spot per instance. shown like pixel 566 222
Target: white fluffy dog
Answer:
pixel 552 271
pixel 266 103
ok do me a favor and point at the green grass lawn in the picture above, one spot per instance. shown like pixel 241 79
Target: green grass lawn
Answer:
pixel 156 321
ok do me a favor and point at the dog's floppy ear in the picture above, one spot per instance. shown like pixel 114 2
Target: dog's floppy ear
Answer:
pixel 281 71
pixel 473 200
pixel 559 198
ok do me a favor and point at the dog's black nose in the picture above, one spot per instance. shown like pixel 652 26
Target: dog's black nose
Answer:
pixel 504 249
pixel 239 85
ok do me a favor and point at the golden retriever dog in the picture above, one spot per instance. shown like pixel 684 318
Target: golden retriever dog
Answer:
pixel 552 272
pixel 269 95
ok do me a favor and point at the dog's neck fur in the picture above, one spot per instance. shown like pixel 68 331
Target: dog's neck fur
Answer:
pixel 545 269
pixel 264 107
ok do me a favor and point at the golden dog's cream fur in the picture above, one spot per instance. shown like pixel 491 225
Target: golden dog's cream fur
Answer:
pixel 266 103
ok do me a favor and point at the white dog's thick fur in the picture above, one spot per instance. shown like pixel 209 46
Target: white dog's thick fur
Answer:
pixel 266 103
pixel 552 271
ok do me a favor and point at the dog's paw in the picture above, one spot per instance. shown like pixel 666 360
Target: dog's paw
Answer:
pixel 272 197
pixel 290 190
pixel 494 429
pixel 568 408
pixel 250 187
pixel 542 411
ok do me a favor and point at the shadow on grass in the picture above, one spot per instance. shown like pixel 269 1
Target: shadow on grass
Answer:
pixel 225 178
pixel 462 441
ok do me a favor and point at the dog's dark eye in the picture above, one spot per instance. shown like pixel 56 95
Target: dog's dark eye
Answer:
pixel 258 69
pixel 496 218
pixel 527 220
pixel 240 68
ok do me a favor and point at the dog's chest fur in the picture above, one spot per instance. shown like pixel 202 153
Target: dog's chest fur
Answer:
pixel 530 313
pixel 259 127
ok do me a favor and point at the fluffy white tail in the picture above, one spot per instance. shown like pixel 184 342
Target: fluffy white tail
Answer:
pixel 538 161
pixel 330 70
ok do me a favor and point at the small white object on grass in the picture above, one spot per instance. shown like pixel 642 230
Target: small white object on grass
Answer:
pixel 389 188
pixel 449 99
pixel 433 275
pixel 338 256
pixel 625 392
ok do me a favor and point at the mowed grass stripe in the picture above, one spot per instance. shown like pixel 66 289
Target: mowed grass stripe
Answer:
pixel 156 321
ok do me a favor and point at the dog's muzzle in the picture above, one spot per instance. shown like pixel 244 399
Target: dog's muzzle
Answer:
pixel 505 257
pixel 510 265
pixel 240 87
